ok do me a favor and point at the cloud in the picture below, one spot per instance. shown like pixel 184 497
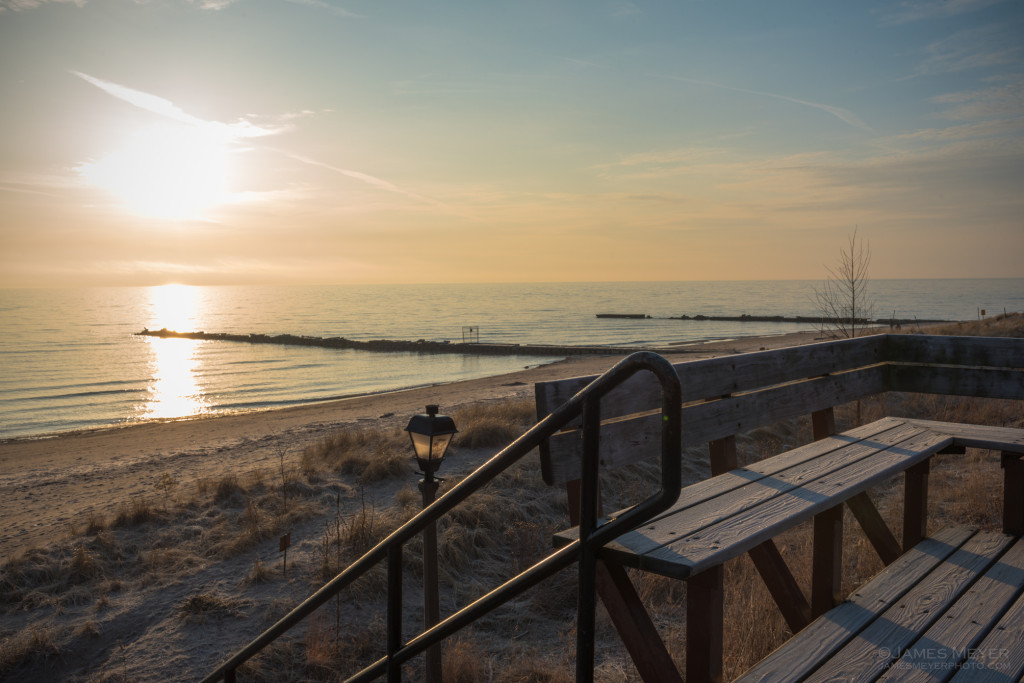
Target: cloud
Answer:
pixel 361 177
pixel 984 46
pixel 167 109
pixel 844 115
pixel 320 4
pixel 921 10
pixel 1005 100
pixel 20 5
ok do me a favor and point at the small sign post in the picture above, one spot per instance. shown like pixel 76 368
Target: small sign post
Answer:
pixel 282 547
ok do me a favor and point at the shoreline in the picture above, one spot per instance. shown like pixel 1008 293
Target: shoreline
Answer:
pixel 50 483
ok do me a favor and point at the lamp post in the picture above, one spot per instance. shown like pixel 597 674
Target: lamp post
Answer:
pixel 431 434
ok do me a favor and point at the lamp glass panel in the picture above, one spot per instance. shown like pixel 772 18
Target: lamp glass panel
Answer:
pixel 421 442
pixel 441 442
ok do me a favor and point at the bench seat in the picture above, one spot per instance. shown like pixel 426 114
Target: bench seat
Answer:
pixel 725 516
pixel 952 607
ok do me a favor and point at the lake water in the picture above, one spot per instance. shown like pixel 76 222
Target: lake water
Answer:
pixel 69 359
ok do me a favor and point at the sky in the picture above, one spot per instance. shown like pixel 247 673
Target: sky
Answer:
pixel 349 141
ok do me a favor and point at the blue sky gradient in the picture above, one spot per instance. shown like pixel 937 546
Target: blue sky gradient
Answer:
pixel 259 141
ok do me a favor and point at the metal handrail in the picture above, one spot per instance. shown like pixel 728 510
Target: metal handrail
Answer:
pixel 583 550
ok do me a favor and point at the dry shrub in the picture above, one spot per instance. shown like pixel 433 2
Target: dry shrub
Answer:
pixel 333 648
pixel 370 454
pixel 258 573
pixel 492 424
pixel 227 489
pixel 462 661
pixel 1006 325
pixel 84 566
pixel 88 629
pixel 201 606
pixel 29 645
pixel 133 512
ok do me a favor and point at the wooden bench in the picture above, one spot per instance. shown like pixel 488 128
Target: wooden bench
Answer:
pixel 949 608
pixel 742 509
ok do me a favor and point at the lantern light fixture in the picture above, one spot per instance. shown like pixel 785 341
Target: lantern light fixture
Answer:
pixel 431 434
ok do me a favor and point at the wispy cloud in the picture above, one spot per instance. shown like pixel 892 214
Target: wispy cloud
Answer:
pixel 1004 100
pixel 921 10
pixel 326 6
pixel 366 178
pixel 844 115
pixel 20 5
pixel 984 46
pixel 167 109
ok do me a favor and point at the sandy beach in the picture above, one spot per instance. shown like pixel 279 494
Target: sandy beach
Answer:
pixel 169 599
pixel 47 484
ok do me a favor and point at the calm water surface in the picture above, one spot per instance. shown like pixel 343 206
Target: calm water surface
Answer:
pixel 70 360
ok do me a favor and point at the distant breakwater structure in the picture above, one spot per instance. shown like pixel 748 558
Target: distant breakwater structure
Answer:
pixel 396 345
pixel 804 319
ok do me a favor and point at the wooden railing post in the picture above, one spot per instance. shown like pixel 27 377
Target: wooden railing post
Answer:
pixel 704 626
pixel 915 504
pixel 827 563
pixel 1013 493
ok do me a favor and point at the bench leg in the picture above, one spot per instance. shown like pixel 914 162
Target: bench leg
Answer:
pixel 1013 493
pixel 827 563
pixel 781 584
pixel 875 528
pixel 915 504
pixel 766 557
pixel 641 638
pixel 704 630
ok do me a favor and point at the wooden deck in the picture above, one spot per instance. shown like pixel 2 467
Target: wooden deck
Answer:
pixel 950 608
pixel 741 510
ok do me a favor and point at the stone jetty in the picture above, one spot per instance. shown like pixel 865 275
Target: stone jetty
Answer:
pixel 396 345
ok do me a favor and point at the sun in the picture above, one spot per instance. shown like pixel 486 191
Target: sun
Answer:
pixel 166 171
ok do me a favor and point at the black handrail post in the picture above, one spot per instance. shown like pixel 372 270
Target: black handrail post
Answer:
pixel 587 581
pixel 394 617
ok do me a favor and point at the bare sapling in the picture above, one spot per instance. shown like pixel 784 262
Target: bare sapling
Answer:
pixel 843 300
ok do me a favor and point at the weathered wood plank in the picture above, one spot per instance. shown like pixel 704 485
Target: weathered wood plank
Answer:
pixel 1010 439
pixel 936 653
pixel 999 657
pixel 995 352
pixel 710 544
pixel 716 377
pixel 956 381
pixel 807 650
pixel 887 429
pixel 741 490
pixel 873 649
pixel 630 440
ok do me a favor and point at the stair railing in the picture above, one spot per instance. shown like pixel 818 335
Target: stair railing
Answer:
pixel 583 551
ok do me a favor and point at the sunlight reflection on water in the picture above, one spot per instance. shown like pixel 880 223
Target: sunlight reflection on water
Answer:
pixel 174 390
